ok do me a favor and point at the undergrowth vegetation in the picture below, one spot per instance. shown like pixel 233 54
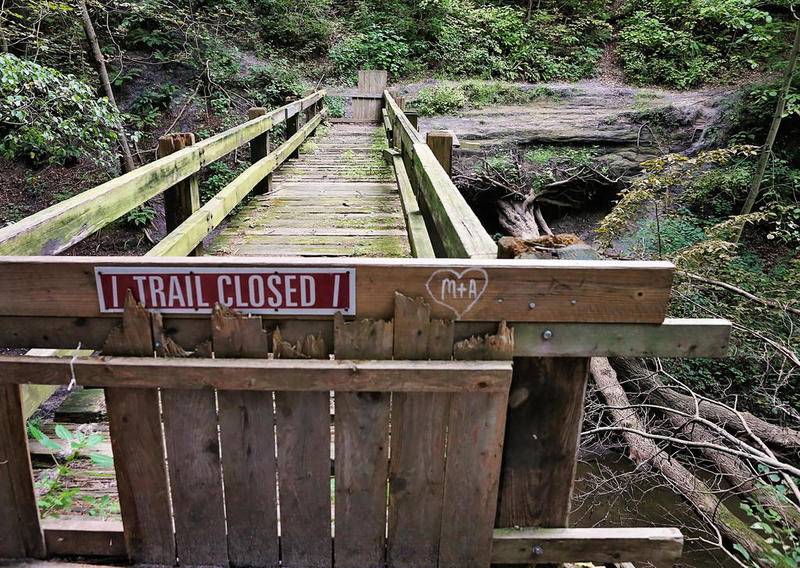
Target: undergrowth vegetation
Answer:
pixel 685 210
pixel 450 98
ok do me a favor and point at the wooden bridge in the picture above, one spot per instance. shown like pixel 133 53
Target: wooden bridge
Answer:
pixel 275 399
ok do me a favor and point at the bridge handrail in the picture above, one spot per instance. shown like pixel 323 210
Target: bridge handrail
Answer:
pixel 58 227
pixel 193 230
pixel 458 230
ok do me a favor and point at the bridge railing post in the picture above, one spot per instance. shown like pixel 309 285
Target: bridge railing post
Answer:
pixel 292 125
pixel 441 144
pixel 259 148
pixel 183 198
pixel 412 117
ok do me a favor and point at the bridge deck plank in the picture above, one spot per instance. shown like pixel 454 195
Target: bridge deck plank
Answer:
pixel 339 198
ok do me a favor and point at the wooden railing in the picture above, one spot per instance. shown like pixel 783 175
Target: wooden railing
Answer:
pixel 455 231
pixel 60 226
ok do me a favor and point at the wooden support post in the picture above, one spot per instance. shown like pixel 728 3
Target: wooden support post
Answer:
pixel 259 147
pixel 183 198
pixel 412 116
pixel 20 530
pixel 441 144
pixel 292 125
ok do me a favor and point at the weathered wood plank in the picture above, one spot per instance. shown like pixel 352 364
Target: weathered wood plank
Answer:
pixel 474 450
pixel 304 436
pixel 539 459
pixel 675 337
pixel 60 226
pixel 416 475
pixel 84 537
pixel 530 290
pixel 258 374
pixel 418 237
pixel 195 475
pixel 20 531
pixel 135 424
pixel 599 545
pixel 248 448
pixel 362 450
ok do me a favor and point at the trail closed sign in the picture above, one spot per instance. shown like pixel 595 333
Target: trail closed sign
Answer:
pixel 291 291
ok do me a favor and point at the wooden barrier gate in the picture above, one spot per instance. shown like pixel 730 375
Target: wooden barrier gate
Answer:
pixel 309 413
pixel 235 450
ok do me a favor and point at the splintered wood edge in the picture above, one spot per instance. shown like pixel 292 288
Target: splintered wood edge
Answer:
pixel 497 347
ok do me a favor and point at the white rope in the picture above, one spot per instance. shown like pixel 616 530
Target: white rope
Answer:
pixel 73 381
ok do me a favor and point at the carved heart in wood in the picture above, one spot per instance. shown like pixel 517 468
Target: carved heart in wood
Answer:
pixel 457 291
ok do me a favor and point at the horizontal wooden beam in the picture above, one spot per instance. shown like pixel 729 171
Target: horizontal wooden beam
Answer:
pixel 260 374
pixel 84 538
pixel 418 237
pixel 510 546
pixel 673 338
pixel 56 228
pixel 193 230
pixel 490 290
pixel 540 546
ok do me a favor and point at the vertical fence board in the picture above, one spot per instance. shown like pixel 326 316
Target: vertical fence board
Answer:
pixel 193 453
pixel 20 531
pixel 362 450
pixel 538 459
pixel 416 474
pixel 474 451
pixel 248 448
pixel 304 466
pixel 137 444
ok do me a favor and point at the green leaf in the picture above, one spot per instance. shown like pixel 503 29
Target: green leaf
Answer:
pixel 741 550
pixel 63 433
pixel 102 460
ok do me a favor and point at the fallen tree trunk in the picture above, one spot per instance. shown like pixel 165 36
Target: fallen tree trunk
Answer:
pixel 777 436
pixel 516 218
pixel 644 451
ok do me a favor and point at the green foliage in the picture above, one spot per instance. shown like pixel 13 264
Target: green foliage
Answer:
pixel 141 216
pixel 335 106
pixel 219 174
pixel 146 109
pixel 494 41
pixel 450 98
pixel 270 84
pixel 54 493
pixel 49 117
pixel 668 235
pixel 684 43
pixel 302 27
pixel 440 99
pixel 782 538
pixel 376 48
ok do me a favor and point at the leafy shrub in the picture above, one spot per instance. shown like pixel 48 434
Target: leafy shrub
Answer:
pixel 335 106
pixel 303 27
pixel 146 109
pixel 272 83
pixel 440 99
pixel 377 48
pixel 684 43
pixel 46 116
pixel 496 42
pixel 141 216
pixel 219 174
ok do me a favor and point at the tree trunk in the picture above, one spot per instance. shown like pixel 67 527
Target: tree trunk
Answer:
pixel 773 435
pixel 766 149
pixel 529 11
pixel 645 451
pixel 515 218
pixel 100 65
